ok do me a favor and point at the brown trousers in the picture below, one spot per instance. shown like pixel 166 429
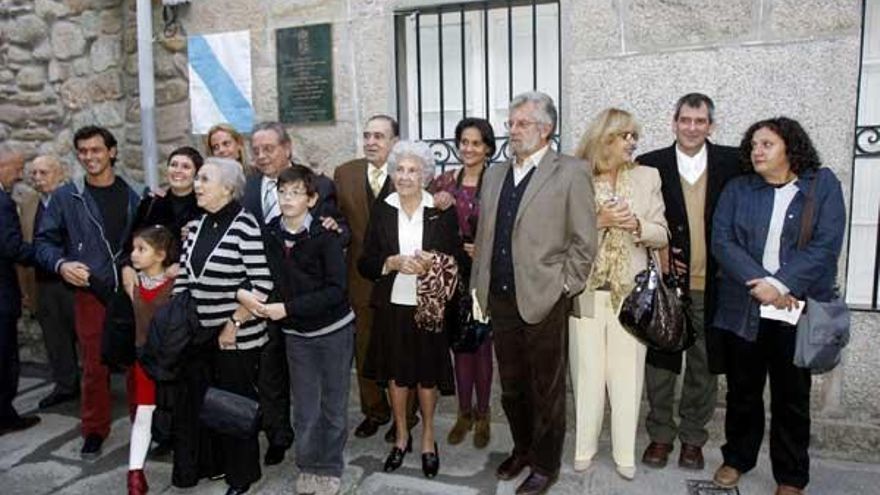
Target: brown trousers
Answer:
pixel 532 365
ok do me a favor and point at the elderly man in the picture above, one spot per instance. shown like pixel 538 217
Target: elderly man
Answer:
pixel 80 238
pixel 360 184
pixel 535 244
pixel 693 172
pixel 272 150
pixel 13 250
pixel 55 301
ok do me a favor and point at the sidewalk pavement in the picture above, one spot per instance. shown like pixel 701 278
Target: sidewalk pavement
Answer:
pixel 45 459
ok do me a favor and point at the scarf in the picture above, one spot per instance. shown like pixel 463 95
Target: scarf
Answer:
pixel 612 263
pixel 434 289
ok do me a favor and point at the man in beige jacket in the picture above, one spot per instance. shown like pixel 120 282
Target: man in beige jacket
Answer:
pixel 535 244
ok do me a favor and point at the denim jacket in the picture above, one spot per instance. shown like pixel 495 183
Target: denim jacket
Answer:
pixel 740 225
pixel 72 230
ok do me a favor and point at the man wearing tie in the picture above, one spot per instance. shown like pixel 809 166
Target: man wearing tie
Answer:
pixel 13 250
pixel 55 301
pixel 535 244
pixel 272 150
pixel 359 184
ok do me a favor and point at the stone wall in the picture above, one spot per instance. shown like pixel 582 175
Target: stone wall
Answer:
pixel 68 63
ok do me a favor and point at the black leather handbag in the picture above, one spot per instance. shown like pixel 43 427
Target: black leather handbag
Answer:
pixel 230 413
pixel 117 338
pixel 470 333
pixel 655 312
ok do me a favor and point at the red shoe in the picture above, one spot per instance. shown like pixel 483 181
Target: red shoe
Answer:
pixel 137 482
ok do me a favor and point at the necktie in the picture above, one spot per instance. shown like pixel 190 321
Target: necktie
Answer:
pixel 375 185
pixel 270 201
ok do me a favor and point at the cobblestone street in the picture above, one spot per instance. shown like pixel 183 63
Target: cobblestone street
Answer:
pixel 45 459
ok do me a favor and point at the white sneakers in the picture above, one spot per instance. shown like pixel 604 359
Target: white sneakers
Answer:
pixel 312 484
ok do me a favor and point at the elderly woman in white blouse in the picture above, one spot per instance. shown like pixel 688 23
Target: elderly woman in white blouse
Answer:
pixel 404 234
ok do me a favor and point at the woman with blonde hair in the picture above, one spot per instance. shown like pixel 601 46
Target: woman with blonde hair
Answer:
pixel 224 141
pixel 602 355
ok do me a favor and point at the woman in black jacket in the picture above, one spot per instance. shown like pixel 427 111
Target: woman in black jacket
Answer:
pixel 404 237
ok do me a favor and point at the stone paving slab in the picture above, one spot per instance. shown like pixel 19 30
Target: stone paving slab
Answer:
pixel 37 478
pixel 16 446
pixel 28 402
pixel 120 433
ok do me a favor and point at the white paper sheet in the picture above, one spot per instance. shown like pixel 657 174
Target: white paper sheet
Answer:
pixel 791 317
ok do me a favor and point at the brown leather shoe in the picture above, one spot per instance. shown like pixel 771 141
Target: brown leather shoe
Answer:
pixel 511 467
pixel 657 454
pixel 788 490
pixel 726 476
pixel 535 484
pixel 691 457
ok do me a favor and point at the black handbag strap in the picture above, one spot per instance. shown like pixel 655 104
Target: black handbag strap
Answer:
pixel 807 216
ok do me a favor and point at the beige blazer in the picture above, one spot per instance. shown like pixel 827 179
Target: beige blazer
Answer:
pixel 554 234
pixel 647 204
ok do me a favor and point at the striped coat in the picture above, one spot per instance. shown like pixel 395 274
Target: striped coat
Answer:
pixel 239 260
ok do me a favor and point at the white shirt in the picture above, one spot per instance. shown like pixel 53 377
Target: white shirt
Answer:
pixel 276 209
pixel 382 176
pixel 691 167
pixel 520 171
pixel 409 237
pixel 782 198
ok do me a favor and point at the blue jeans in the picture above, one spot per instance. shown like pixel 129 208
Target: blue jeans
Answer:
pixel 320 377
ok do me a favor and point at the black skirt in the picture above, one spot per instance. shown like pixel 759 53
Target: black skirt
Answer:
pixel 410 356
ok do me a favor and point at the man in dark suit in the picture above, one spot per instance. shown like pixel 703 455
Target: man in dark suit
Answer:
pixel 359 184
pixel 13 250
pixel 535 245
pixel 272 150
pixel 55 300
pixel 693 172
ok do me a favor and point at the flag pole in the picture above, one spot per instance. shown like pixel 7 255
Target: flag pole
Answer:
pixel 149 153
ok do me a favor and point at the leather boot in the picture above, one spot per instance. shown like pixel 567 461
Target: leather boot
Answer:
pixel 463 425
pixel 481 430
pixel 137 482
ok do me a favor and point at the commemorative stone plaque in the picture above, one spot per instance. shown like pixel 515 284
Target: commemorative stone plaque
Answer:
pixel 305 74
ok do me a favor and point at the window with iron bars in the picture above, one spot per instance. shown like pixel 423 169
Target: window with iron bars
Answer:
pixel 469 60
pixel 863 261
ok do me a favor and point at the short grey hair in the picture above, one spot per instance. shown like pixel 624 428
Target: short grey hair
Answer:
pixel 9 153
pixel 546 113
pixel 417 150
pixel 231 175
pixel 276 127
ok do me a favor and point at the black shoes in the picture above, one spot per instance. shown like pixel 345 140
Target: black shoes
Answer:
pixel 395 457
pixel 367 428
pixel 91 446
pixel 18 424
pixel 56 397
pixel 238 490
pixel 430 462
pixel 274 455
pixel 511 467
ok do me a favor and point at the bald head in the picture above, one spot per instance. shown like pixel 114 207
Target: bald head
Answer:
pixel 47 173
pixel 11 166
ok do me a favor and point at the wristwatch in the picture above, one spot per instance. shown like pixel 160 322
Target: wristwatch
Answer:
pixel 235 323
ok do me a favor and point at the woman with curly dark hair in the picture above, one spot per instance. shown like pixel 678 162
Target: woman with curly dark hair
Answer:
pixel 756 234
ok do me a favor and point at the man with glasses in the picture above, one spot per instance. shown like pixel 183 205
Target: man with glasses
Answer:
pixel 272 150
pixel 535 244
pixel 693 172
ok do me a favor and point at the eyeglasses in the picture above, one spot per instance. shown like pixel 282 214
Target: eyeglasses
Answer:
pixel 522 124
pixel 292 192
pixel 628 135
pixel 266 149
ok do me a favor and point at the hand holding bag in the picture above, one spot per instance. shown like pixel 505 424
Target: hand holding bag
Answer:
pixel 230 413
pixel 823 328
pixel 656 313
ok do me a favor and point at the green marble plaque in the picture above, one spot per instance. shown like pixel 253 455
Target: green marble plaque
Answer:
pixel 305 74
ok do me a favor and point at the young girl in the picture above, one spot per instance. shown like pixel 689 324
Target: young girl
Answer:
pixel 153 250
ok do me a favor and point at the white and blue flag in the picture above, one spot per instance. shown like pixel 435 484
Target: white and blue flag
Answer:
pixel 220 81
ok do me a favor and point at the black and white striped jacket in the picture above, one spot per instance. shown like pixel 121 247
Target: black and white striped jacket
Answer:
pixel 238 261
